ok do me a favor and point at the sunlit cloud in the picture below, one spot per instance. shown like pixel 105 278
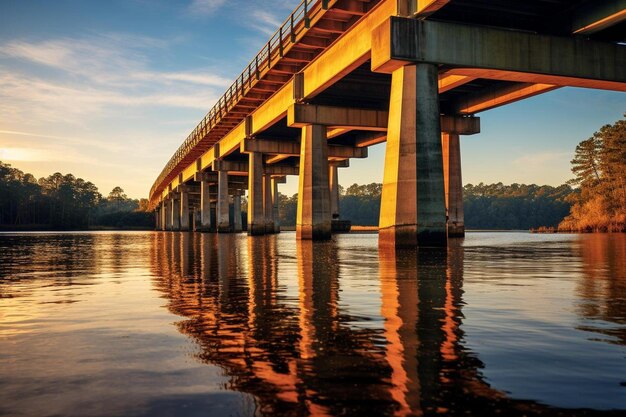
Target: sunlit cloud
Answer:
pixel 65 139
pixel 45 154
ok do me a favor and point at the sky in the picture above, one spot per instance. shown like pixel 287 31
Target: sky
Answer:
pixel 107 91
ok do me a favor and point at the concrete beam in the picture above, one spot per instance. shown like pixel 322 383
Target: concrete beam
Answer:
pixel 205 176
pixel 345 163
pixel 486 52
pixel 269 160
pixel 460 125
pixel 428 7
pixel 234 166
pixel 300 115
pixel 598 15
pixel 448 82
pixel 239 166
pixel 420 8
pixel 292 148
pixel 370 138
pixel 498 96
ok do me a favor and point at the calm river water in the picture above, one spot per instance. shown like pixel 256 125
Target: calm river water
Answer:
pixel 180 324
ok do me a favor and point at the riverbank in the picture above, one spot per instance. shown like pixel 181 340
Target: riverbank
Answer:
pixel 48 228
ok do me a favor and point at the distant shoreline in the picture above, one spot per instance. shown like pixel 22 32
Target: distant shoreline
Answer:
pixel 47 228
pixel 355 229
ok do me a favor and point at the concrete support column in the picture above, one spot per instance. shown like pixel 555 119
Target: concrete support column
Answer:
pixel 175 214
pixel 268 204
pixel 205 206
pixel 413 208
pixel 313 219
pixel 167 208
pixel 157 219
pixel 237 226
pixel 275 205
pixel 256 216
pixel 334 191
pixel 196 220
pixel 163 215
pixel 223 218
pixel 453 183
pixel 184 210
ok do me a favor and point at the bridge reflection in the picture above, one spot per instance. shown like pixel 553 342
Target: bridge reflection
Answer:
pixel 300 352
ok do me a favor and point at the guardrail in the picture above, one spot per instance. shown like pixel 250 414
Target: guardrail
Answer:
pixel 272 52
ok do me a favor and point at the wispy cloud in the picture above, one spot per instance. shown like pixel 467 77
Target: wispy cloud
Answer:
pixel 66 139
pixel 205 7
pixel 103 59
pixel 541 159
pixel 94 75
pixel 266 22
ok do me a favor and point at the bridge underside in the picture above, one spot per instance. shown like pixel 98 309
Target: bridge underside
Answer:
pixel 415 84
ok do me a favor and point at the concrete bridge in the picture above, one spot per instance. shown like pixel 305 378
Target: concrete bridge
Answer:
pixel 341 75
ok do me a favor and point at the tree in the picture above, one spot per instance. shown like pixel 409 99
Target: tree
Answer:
pixel 599 166
pixel 143 204
pixel 117 194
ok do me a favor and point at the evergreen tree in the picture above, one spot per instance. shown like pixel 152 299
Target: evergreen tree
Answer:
pixel 599 166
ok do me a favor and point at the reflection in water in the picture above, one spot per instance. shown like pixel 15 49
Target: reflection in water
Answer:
pixel 305 356
pixel 604 290
pixel 279 327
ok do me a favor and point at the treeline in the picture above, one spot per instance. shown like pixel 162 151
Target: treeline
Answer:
pixel 515 206
pixel 64 202
pixel 487 206
pixel 599 166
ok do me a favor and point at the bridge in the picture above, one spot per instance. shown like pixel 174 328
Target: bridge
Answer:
pixel 342 75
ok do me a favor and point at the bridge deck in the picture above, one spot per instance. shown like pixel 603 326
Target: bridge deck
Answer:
pixel 313 26
pixel 329 44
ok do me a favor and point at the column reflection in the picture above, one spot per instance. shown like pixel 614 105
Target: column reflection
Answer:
pixel 308 353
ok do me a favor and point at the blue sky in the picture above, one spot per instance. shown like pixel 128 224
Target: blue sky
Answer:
pixel 109 90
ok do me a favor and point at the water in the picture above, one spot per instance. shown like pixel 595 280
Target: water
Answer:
pixel 175 324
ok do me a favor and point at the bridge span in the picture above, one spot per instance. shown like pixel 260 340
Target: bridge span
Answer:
pixel 341 75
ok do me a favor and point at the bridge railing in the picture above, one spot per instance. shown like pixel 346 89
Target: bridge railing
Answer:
pixel 287 33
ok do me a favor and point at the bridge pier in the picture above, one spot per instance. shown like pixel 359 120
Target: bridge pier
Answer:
pixel 184 209
pixel 453 184
pixel 413 200
pixel 205 205
pixel 167 217
pixel 337 225
pixel 223 215
pixel 256 217
pixel 163 215
pixel 451 129
pixel 268 204
pixel 275 204
pixel 174 213
pixel 237 226
pixel 334 190
pixel 313 218
pixel 160 225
